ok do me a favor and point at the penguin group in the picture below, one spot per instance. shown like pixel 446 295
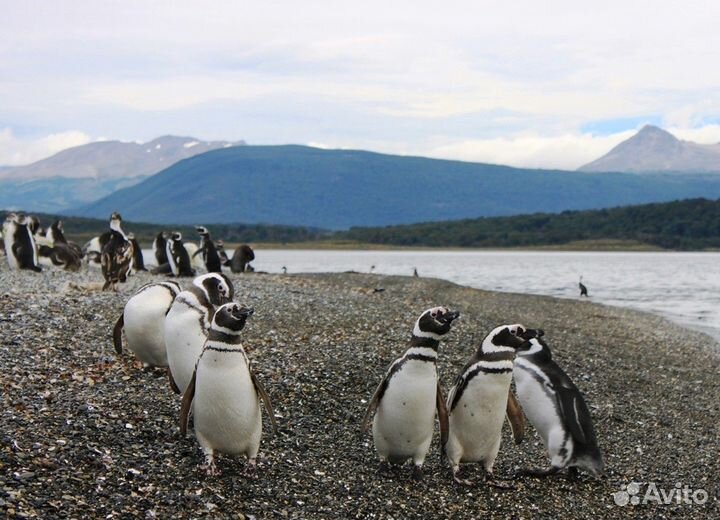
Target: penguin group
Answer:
pixel 404 406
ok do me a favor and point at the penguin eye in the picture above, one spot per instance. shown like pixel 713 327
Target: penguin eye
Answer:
pixel 433 314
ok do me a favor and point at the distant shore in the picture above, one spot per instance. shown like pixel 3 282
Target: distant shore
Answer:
pixel 84 430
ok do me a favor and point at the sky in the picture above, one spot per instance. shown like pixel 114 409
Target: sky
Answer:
pixel 524 83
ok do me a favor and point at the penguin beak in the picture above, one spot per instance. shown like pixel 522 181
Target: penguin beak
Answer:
pixel 532 333
pixel 449 317
pixel 244 312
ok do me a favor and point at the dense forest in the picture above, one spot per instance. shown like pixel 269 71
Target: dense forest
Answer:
pixel 682 225
pixel 691 224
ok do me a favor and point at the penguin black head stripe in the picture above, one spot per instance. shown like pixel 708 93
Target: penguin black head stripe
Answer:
pixel 202 230
pixel 217 287
pixel 515 336
pixel 435 323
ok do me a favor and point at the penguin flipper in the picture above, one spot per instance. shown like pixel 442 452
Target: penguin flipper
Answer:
pixel 173 384
pixel 515 418
pixel 117 333
pixel 574 409
pixel 372 406
pixel 187 400
pixel 442 416
pixel 266 400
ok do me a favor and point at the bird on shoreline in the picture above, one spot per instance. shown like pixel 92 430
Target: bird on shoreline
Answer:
pixel 583 289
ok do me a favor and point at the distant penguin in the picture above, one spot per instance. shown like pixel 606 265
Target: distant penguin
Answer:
pixel 415 273
pixel 138 262
pixel 188 321
pixel 224 393
pixel 242 256
pixel 177 255
pixel 583 289
pixel 557 410
pixel 284 270
pixel 209 253
pixel 158 247
pixel 22 252
pixel 92 250
pixel 56 235
pixel 405 402
pixel 478 401
pixel 143 320
pixel 220 246
pixel 117 255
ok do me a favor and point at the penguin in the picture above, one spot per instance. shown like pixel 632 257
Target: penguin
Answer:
pixel 242 256
pixel 138 262
pixel 92 250
pixel 220 246
pixel 143 320
pixel 177 255
pixel 405 402
pixel 557 410
pixel 210 255
pixel 187 322
pixel 22 252
pixel 159 249
pixel 225 394
pixel 56 235
pixel 478 401
pixel 583 289
pixel 117 254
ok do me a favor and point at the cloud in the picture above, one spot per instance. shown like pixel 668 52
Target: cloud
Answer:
pixel 15 151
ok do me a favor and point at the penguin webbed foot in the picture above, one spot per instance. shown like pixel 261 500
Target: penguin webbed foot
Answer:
pixel 384 468
pixel 417 473
pixel 250 470
pixel 538 472
pixel 210 468
pixel 491 481
pixel 461 481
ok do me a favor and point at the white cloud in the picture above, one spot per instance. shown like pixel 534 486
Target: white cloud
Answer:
pixel 15 151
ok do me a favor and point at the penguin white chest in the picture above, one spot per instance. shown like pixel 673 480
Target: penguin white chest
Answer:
pixel 405 418
pixel 144 318
pixel 477 419
pixel 184 340
pixel 536 398
pixel 226 408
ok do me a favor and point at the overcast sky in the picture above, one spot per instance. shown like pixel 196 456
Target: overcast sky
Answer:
pixel 526 83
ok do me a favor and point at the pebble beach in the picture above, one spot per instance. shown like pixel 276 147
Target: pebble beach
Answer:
pixel 87 433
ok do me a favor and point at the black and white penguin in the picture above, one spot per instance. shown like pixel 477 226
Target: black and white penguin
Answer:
pixel 138 263
pixel 143 320
pixel 177 255
pixel 117 254
pixel 188 321
pixel 209 253
pixel 159 249
pixel 242 256
pixel 405 402
pixel 557 410
pixel 224 393
pixel 22 252
pixel 478 401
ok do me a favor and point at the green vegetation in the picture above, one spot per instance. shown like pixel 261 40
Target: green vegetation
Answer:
pixel 691 224
pixel 683 225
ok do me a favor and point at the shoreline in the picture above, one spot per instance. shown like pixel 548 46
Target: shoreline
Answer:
pixel 86 429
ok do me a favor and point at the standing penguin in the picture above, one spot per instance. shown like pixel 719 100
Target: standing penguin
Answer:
pixel 209 253
pixel 117 254
pixel 583 288
pixel 557 410
pixel 188 321
pixel 225 394
pixel 20 244
pixel 404 403
pixel 138 262
pixel 478 401
pixel 177 256
pixel 158 247
pixel 144 322
pixel 242 256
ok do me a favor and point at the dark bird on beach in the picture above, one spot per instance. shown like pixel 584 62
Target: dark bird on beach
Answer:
pixel 415 273
pixel 583 289
pixel 284 270
pixel 117 255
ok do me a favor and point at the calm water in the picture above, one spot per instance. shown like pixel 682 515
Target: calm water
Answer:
pixel 684 287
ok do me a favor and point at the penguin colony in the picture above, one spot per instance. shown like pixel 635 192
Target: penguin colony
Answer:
pixel 118 253
pixel 196 334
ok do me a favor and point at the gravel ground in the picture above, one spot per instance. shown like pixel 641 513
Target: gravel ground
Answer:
pixel 85 433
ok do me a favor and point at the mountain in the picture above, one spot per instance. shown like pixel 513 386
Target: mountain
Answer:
pixel 338 189
pixel 653 150
pixel 82 174
pixel 689 224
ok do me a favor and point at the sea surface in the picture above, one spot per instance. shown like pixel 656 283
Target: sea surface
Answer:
pixel 684 287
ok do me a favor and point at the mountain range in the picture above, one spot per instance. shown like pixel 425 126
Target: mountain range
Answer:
pixel 654 150
pixel 339 189
pixel 85 173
